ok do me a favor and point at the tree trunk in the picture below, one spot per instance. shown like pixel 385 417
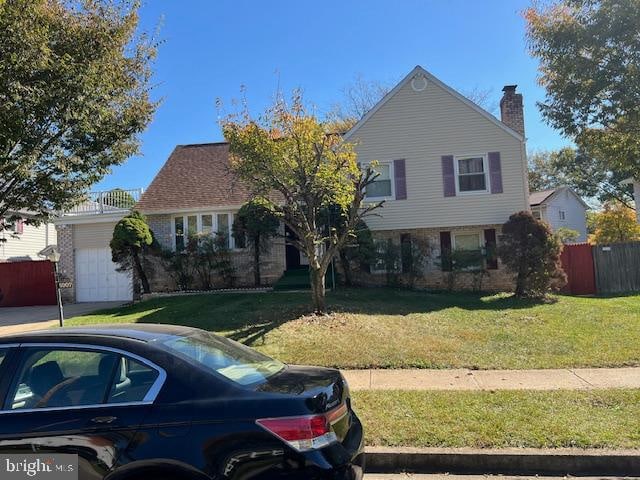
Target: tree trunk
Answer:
pixel 256 262
pixel 318 290
pixel 346 268
pixel 521 280
pixel 141 274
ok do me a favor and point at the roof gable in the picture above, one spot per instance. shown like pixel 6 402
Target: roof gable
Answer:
pixel 545 196
pixel 418 70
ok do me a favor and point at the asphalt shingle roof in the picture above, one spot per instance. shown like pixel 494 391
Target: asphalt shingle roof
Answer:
pixel 194 176
pixel 536 198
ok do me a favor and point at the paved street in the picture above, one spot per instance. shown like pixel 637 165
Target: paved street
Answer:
pixel 22 319
pixel 408 476
pixel 463 379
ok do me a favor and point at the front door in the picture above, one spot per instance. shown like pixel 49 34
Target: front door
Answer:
pixel 71 400
pixel 291 251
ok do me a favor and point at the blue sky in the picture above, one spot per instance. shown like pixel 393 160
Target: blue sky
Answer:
pixel 212 47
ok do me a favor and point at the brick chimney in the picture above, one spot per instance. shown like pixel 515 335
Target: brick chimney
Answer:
pixel 511 112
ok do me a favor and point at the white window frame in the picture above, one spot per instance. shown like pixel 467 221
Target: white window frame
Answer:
pixel 538 212
pixel 485 168
pixel 392 176
pixel 465 233
pixel 214 226
pixel 481 243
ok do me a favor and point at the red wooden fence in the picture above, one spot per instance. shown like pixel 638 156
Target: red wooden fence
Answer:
pixel 577 262
pixel 27 283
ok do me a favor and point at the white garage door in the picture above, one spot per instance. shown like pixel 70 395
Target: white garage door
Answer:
pixel 97 279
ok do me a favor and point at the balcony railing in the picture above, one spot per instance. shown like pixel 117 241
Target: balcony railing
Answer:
pixel 110 201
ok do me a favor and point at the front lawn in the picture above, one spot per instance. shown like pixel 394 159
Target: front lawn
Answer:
pixel 596 419
pixel 386 328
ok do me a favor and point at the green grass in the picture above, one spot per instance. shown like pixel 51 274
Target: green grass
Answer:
pixel 388 328
pixel 596 419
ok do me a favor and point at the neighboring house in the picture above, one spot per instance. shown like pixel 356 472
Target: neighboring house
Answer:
pixel 20 241
pixel 451 174
pixel 84 234
pixel 636 193
pixel 561 207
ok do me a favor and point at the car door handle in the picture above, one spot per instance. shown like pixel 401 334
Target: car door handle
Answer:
pixel 103 420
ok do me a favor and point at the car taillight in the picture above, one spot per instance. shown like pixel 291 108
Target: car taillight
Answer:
pixel 308 432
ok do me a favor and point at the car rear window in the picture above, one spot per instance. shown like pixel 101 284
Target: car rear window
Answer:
pixel 3 353
pixel 230 359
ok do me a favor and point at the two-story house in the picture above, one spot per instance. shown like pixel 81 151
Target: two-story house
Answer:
pixel 450 174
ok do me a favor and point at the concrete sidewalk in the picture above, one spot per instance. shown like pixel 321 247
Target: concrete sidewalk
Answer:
pixel 462 379
pixel 24 319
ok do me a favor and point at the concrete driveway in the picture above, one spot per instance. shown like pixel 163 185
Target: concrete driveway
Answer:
pixel 23 319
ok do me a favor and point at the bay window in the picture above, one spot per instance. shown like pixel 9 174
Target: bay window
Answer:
pixel 185 226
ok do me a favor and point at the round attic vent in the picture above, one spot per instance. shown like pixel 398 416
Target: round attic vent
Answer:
pixel 419 83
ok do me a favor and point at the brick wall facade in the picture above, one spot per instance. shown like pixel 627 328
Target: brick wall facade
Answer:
pixel 434 277
pixel 272 263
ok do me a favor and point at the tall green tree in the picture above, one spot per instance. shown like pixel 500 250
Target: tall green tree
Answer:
pixel 589 53
pixel 255 225
pixel 291 159
pixel 615 224
pixel 588 176
pixel 74 95
pixel 131 237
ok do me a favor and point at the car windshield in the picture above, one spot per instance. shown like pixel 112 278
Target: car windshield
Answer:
pixel 233 360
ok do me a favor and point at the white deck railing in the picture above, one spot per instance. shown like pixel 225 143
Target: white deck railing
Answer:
pixel 110 201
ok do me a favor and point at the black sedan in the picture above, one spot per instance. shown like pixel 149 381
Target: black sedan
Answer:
pixel 138 402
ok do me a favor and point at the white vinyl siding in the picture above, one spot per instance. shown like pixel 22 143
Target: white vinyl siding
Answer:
pixel 26 245
pixel 421 127
pixel 564 210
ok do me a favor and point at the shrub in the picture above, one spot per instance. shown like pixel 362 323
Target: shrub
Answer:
pixel 360 250
pixel 413 256
pixel 532 252
pixel 204 257
pixel 131 239
pixel 567 235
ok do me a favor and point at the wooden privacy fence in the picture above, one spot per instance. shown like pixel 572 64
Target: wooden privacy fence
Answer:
pixel 605 269
pixel 577 262
pixel 617 267
pixel 27 283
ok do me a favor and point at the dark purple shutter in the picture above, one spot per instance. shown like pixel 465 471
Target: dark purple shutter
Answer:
pixel 400 178
pixel 490 246
pixel 448 176
pixel 495 172
pixel 445 251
